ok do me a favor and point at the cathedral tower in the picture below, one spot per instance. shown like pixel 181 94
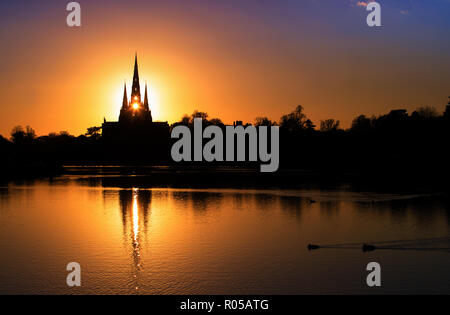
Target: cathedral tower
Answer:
pixel 135 111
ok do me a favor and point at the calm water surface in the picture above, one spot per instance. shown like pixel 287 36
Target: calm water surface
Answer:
pixel 216 241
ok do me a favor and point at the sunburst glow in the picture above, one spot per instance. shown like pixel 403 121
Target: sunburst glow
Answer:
pixel 117 97
pixel 153 101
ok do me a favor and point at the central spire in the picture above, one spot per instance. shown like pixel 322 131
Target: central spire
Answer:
pixel 134 110
pixel 136 89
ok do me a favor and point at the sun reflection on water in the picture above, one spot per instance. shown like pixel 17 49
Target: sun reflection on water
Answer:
pixel 135 218
pixel 135 236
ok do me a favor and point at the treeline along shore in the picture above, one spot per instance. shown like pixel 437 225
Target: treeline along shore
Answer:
pixel 395 148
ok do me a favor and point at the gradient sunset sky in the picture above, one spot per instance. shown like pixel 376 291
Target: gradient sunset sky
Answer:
pixel 235 59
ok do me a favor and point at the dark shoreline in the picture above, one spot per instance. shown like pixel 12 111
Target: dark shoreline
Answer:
pixel 29 171
pixel 129 176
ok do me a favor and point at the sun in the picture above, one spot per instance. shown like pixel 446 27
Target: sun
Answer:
pixel 153 99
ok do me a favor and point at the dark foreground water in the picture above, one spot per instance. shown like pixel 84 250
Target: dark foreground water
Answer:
pixel 217 241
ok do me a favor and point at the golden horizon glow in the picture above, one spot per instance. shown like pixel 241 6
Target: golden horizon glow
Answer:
pixel 153 101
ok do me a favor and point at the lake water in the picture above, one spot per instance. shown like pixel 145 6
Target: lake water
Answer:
pixel 217 241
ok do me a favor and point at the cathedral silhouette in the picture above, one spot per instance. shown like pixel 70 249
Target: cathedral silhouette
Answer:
pixel 135 119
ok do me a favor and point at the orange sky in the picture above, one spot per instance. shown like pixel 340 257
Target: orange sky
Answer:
pixel 235 63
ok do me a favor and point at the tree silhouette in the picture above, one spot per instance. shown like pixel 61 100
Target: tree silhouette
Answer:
pixel 264 121
pixel 361 124
pixel 295 121
pixel 215 121
pixel 19 135
pixel 185 120
pixel 447 110
pixel 426 112
pixel 93 132
pixel 197 114
pixel 309 125
pixel 329 125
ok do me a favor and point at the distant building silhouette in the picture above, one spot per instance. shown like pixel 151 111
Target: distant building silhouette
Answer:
pixel 135 119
